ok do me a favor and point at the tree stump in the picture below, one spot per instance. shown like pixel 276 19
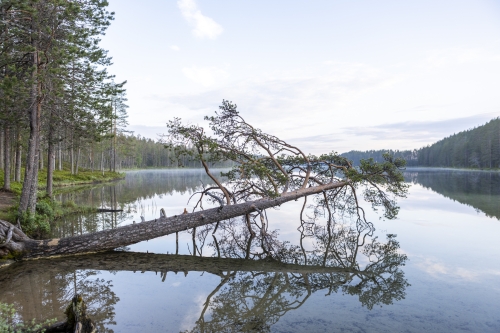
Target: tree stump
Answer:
pixel 77 320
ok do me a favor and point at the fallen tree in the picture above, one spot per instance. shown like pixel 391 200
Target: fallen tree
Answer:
pixel 21 246
pixel 268 172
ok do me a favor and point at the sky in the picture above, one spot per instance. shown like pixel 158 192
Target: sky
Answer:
pixel 322 75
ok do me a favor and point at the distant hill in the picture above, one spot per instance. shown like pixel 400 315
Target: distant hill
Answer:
pixel 475 148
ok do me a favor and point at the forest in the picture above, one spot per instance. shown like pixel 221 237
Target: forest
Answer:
pixel 60 107
pixel 59 102
pixel 477 148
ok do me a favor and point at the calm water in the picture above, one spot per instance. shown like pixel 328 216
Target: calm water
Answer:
pixel 444 277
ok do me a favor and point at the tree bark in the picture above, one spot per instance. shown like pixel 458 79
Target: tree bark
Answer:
pixel 40 156
pixel 31 170
pixel 60 155
pixel 50 162
pixel 77 160
pixel 23 247
pixel 102 161
pixel 17 175
pixel 1 145
pixel 72 157
pixel 34 182
pixel 6 161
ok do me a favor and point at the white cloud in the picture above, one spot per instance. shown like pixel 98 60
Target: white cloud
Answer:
pixel 175 47
pixel 206 76
pixel 203 26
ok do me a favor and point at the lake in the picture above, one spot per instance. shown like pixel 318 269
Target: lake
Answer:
pixel 437 271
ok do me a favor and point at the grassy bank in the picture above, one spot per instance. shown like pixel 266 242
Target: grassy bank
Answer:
pixel 47 209
pixel 65 178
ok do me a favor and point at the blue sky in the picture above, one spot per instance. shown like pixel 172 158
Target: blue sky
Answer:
pixel 325 75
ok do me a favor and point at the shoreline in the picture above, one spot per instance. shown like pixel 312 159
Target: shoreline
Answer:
pixel 9 199
pixel 83 182
pixel 450 169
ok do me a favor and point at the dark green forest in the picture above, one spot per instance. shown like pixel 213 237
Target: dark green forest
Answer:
pixel 477 148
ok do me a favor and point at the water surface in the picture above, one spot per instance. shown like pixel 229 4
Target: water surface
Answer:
pixel 444 277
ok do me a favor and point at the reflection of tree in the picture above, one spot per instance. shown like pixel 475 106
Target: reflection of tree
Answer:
pixel 46 292
pixel 253 294
pixel 254 300
pixel 262 277
pixel 478 189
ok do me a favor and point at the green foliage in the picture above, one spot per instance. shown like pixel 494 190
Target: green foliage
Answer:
pixel 267 167
pixel 9 322
pixel 36 226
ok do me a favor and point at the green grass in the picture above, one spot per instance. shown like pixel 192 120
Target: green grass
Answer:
pixel 38 225
pixel 65 178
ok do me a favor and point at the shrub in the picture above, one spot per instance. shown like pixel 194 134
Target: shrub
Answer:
pixel 9 322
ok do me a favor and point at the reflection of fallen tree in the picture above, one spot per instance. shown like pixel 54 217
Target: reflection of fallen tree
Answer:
pixel 252 294
pixel 160 263
pixel 339 241
pixel 255 293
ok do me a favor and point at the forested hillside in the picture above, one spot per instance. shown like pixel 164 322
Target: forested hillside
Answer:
pixel 475 148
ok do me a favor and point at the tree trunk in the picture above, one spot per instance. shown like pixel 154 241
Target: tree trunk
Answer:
pixel 21 246
pixel 40 155
pixel 17 174
pixel 6 161
pixel 72 160
pixel 60 155
pixel 77 160
pixel 150 262
pixel 34 182
pixel 2 156
pixel 111 156
pixel 50 162
pixel 114 139
pixel 31 170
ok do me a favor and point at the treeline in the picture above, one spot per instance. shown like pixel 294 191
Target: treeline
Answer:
pixel 411 156
pixel 475 148
pixel 58 102
pixel 136 152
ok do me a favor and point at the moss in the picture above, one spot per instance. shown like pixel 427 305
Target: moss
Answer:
pixel 11 256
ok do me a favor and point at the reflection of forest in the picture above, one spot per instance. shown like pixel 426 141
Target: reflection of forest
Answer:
pixel 261 278
pixel 125 195
pixel 40 292
pixel 480 190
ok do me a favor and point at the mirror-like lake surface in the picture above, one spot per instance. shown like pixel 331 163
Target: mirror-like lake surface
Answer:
pixel 443 277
